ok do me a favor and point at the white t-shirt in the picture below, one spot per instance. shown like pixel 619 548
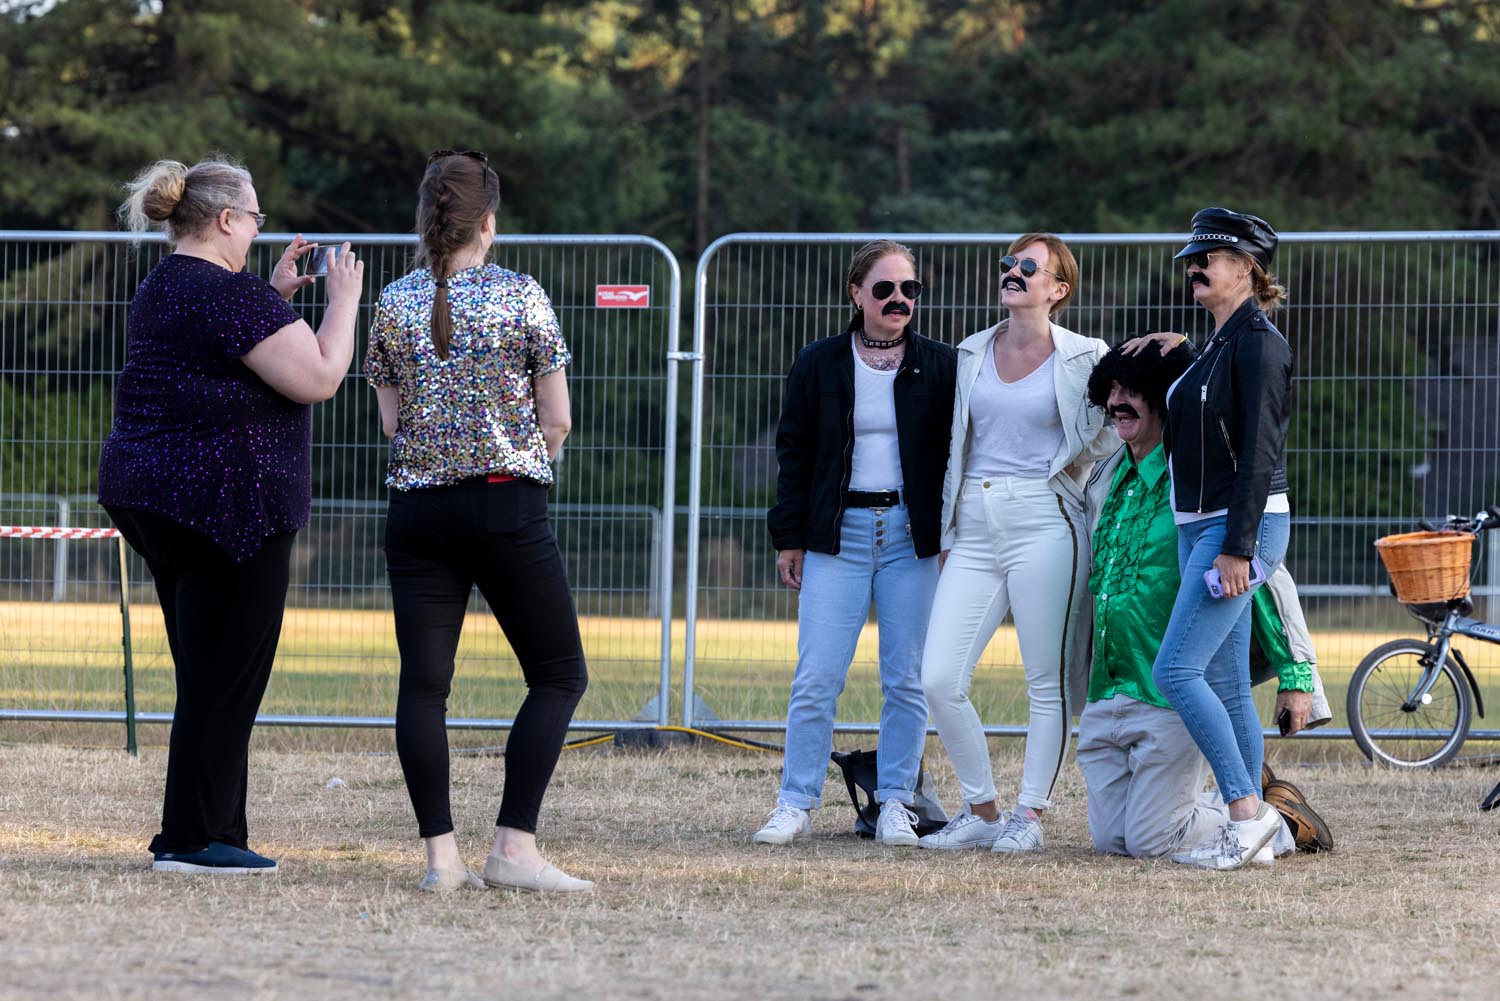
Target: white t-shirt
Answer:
pixel 1014 427
pixel 877 450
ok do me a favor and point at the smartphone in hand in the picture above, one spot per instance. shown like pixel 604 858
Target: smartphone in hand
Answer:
pixel 1284 721
pixel 319 258
pixel 1216 589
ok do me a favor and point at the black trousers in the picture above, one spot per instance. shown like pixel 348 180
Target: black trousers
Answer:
pixel 223 623
pixel 440 543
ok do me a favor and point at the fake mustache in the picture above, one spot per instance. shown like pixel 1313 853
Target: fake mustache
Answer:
pixel 1014 282
pixel 1198 278
pixel 1124 410
pixel 895 307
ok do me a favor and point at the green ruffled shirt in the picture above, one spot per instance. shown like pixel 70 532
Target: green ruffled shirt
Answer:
pixel 1134 580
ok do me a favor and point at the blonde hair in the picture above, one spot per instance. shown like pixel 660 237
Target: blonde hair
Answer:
pixel 1269 293
pixel 1064 264
pixel 182 200
pixel 865 259
pixel 457 194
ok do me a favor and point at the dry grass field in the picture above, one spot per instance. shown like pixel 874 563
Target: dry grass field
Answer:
pixel 687 907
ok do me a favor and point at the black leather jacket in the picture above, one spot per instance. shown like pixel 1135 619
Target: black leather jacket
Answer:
pixel 1227 422
pixel 815 442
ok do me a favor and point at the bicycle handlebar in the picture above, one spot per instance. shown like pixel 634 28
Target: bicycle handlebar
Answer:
pixel 1482 521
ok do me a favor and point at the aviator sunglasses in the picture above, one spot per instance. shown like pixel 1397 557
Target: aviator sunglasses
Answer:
pixel 911 289
pixel 1199 260
pixel 1028 267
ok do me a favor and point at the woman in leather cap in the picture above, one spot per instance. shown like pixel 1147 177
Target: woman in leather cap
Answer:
pixel 1226 438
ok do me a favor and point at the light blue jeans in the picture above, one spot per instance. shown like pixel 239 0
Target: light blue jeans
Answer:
pixel 876 562
pixel 1203 667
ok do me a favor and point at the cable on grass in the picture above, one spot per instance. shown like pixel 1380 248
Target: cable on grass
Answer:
pixel 744 744
pixel 589 741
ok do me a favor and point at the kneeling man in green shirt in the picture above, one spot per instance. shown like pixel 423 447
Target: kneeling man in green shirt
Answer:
pixel 1145 776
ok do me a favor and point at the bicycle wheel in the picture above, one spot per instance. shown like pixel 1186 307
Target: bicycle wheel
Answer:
pixel 1393 736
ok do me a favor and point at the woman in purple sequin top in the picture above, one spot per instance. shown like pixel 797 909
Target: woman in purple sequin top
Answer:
pixel 468 367
pixel 206 473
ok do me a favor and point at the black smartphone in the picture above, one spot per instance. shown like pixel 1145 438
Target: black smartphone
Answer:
pixel 1284 721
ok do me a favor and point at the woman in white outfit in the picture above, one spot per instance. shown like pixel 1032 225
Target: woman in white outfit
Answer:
pixel 1024 438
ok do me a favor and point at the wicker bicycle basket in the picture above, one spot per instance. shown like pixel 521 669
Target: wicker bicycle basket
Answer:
pixel 1427 566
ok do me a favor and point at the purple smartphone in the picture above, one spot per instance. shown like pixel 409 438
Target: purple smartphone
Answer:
pixel 1216 590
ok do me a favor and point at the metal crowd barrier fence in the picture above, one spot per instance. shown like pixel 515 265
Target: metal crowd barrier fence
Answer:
pixel 63 300
pixel 1397 414
pixel 1398 377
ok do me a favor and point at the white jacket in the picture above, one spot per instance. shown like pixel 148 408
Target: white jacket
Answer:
pixel 1086 439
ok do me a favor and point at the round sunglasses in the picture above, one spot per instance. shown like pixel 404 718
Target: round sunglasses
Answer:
pixel 1028 267
pixel 911 289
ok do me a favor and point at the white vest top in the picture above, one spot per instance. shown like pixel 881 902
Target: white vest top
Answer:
pixel 1015 428
pixel 877 451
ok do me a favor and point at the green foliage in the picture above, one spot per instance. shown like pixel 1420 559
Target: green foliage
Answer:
pixel 685 120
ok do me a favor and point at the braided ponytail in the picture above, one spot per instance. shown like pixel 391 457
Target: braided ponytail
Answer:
pixel 457 194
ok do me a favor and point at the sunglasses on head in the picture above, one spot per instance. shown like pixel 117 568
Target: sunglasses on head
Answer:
pixel 1028 266
pixel 1200 259
pixel 473 154
pixel 911 289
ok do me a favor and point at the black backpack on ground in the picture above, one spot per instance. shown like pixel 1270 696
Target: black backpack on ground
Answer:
pixel 860 774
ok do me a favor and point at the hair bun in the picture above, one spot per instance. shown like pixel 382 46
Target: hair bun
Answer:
pixel 168 185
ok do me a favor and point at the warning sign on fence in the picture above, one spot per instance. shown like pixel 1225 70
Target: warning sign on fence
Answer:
pixel 622 296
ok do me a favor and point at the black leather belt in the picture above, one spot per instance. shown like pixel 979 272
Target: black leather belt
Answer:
pixel 872 498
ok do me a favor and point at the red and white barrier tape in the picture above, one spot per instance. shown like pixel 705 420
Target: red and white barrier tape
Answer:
pixel 42 532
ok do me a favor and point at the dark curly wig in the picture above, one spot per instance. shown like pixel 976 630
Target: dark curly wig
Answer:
pixel 1147 372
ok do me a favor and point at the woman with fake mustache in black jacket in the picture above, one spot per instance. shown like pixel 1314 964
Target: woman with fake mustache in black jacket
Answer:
pixel 1226 438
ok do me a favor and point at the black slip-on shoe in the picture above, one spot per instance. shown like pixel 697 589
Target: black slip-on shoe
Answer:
pixel 218 859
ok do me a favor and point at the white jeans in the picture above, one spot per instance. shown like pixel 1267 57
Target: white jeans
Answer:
pixel 1020 549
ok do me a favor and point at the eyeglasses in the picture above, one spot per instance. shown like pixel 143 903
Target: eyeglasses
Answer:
pixel 259 217
pixel 1028 267
pixel 473 154
pixel 911 289
pixel 1200 259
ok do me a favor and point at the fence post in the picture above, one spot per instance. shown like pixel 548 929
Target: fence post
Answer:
pixel 60 556
pixel 130 745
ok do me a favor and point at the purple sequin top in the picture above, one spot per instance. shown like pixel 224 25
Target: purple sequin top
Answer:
pixel 472 413
pixel 198 438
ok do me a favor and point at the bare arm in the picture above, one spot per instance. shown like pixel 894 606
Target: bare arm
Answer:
pixel 388 399
pixel 308 367
pixel 553 409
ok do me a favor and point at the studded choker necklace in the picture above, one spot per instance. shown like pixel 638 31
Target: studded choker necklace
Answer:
pixel 868 342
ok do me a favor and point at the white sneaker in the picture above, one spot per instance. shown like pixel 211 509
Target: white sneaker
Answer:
pixel 785 824
pixel 1020 834
pixel 1236 843
pixel 1282 843
pixel 895 825
pixel 967 830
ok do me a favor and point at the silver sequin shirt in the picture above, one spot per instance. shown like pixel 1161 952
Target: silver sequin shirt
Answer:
pixel 472 413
